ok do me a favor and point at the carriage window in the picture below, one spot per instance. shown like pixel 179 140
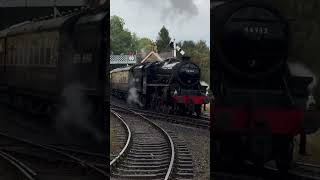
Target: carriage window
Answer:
pixel 54 52
pixel 48 55
pixel 24 51
pixel 15 59
pixel 36 55
pixel 19 52
pixel 41 48
pixel 87 58
pixel 31 56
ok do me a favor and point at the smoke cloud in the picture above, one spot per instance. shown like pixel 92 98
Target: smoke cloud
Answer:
pixel 172 9
pixel 133 97
pixel 300 69
pixel 75 113
pixel 203 83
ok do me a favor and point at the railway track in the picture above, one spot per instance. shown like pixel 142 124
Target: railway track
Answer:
pixel 198 122
pixel 305 171
pixel 299 171
pixel 95 159
pixel 32 161
pixel 150 151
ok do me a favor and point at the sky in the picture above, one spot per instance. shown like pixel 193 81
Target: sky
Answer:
pixel 185 19
pixel 9 3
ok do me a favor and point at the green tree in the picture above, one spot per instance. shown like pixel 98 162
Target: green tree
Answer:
pixel 200 54
pixel 122 41
pixel 145 45
pixel 163 40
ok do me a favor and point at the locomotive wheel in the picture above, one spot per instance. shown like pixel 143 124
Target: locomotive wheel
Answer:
pixel 284 153
pixel 175 108
pixel 166 109
pixel 158 106
pixel 198 110
pixel 143 101
pixel 182 109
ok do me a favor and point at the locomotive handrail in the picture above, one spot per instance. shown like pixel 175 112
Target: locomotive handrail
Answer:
pixel 170 168
pixel 128 139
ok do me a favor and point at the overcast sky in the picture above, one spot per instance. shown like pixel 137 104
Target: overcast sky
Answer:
pixel 185 19
pixel 10 3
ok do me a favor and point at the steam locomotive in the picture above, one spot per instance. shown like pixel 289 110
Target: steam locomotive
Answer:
pixel 259 104
pixel 169 86
pixel 48 65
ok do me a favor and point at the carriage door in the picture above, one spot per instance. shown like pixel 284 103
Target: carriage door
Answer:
pixel 91 52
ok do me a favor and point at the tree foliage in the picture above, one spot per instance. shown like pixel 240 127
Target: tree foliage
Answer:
pixel 200 54
pixel 163 40
pixel 122 40
pixel 145 45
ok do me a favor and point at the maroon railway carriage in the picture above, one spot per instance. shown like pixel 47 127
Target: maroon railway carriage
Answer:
pixel 46 63
pixel 259 105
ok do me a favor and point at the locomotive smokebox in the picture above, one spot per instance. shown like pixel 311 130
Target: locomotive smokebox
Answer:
pixel 186 58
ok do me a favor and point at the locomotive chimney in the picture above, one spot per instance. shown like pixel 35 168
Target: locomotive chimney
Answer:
pixel 186 58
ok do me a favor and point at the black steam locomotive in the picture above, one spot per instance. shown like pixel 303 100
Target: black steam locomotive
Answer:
pixel 170 86
pixel 56 65
pixel 259 105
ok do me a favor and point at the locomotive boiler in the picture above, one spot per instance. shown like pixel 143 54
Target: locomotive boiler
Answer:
pixel 259 105
pixel 169 86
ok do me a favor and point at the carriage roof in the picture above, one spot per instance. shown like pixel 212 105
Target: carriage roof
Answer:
pixel 121 69
pixel 29 26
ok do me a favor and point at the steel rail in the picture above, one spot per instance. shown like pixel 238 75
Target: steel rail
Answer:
pixel 77 160
pixel 129 139
pixel 172 159
pixel 197 122
pixel 24 169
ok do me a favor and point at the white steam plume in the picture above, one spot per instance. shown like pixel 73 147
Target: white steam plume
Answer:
pixel 172 9
pixel 203 83
pixel 300 69
pixel 75 112
pixel 133 97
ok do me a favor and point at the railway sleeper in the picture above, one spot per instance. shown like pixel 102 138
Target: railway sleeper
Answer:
pixel 150 166
pixel 185 176
pixel 146 159
pixel 159 142
pixel 162 145
pixel 163 148
pixel 150 156
pixel 184 170
pixel 184 158
pixel 150 150
pixel 141 171
pixel 140 176
pixel 149 163
pixel 184 161
pixel 181 165
pixel 148 153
